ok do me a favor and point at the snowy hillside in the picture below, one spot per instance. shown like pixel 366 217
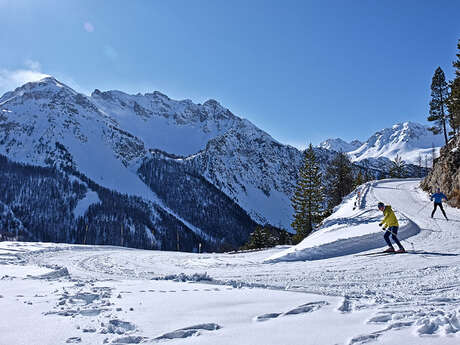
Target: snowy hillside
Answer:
pixel 177 127
pixel 103 294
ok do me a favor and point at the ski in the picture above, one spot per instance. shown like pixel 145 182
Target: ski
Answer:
pixel 379 253
pixel 373 253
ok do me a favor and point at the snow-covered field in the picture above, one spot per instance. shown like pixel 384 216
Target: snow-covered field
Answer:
pixel 319 292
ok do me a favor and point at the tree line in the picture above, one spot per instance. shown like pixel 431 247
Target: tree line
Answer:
pixel 38 203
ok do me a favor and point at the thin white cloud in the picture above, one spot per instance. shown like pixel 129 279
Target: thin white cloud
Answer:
pixel 33 65
pixel 11 79
pixel 89 27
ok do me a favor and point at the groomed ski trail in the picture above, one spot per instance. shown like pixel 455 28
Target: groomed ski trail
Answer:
pixel 409 296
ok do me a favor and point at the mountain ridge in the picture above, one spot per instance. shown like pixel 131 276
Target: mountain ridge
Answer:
pixel 411 141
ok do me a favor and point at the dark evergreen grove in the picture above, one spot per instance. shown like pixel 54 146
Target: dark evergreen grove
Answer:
pixel 438 103
pixel 308 197
pixel 197 201
pixel 338 179
pixel 39 204
pixel 267 236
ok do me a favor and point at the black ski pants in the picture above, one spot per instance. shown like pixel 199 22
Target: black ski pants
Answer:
pixel 436 204
pixel 393 231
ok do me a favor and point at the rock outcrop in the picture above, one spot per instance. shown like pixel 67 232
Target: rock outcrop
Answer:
pixel 446 172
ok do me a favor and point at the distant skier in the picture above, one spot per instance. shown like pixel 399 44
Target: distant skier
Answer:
pixel 391 225
pixel 438 196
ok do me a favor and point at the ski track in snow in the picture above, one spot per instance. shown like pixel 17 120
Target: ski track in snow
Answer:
pixel 418 292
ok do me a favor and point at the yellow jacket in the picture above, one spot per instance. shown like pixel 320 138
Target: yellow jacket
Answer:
pixel 389 218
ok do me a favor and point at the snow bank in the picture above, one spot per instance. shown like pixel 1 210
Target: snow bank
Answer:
pixel 352 228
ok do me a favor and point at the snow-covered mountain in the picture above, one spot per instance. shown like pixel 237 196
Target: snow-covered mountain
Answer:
pixel 214 164
pixel 409 140
pixel 177 127
pixel 340 145
pixel 110 135
pixel 101 138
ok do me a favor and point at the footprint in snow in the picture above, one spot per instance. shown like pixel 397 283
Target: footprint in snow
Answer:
pixel 383 318
pixel 363 339
pixel 116 326
pixel 345 307
pixel 266 317
pixel 189 331
pixel 131 339
pixel 367 338
pixel 307 308
pixel 440 324
pixel 302 309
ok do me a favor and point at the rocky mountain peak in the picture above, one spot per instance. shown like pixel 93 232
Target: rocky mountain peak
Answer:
pixel 340 145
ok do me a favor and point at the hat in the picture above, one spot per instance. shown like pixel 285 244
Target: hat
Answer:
pixel 380 204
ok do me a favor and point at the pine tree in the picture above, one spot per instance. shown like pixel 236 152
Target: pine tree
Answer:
pixel 398 168
pixel 419 163
pixel 453 103
pixel 439 96
pixel 308 197
pixel 339 179
pixel 262 237
pixel 359 180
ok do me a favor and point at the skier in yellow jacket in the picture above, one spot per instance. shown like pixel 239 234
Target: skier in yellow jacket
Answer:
pixel 391 225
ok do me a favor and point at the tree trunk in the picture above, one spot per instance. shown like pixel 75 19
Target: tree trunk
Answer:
pixel 443 119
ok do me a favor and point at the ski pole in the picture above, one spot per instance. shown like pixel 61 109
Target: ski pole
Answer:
pixel 423 207
pixel 391 232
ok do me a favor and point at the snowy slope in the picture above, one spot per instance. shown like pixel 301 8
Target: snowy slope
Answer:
pixel 243 161
pixel 49 123
pixel 91 294
pixel 177 127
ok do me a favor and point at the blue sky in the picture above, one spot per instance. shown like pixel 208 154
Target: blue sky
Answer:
pixel 301 70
